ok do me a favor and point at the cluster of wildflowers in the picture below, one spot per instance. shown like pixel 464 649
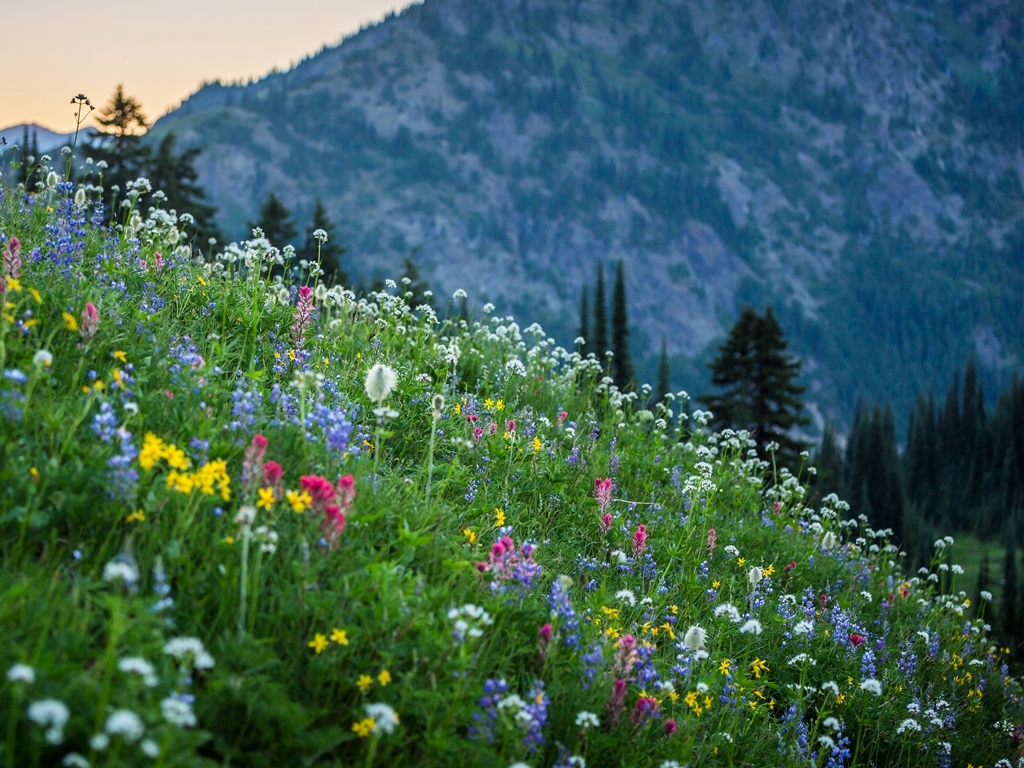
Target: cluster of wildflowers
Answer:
pixel 508 565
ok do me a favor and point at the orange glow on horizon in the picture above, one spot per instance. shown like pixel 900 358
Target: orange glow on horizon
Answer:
pixel 160 52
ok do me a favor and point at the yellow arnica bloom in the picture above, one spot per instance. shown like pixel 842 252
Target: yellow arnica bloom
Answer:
pixel 120 355
pixel 36 295
pixel 318 643
pixel 499 514
pixel 13 284
pixel 384 677
pixel 364 727
pixel 266 500
pixel 299 501
pixel 364 682
pixel 140 516
pixel 70 323
pixel 759 666
pixel 340 636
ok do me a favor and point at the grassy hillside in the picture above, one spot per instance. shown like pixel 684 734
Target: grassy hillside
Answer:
pixel 227 537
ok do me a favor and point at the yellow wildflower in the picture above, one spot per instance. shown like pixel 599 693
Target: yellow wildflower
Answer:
pixel 724 666
pixel 499 514
pixel 119 355
pixel 229 539
pixel 500 405
pixel 35 295
pixel 613 633
pixel 299 501
pixel 759 666
pixel 488 403
pixel 266 500
pixel 34 473
pixel 364 682
pixel 138 515
pixel 537 444
pixel 716 583
pixel 458 408
pixel 340 636
pixel 364 727
pixel 668 628
pixel 769 570
pixel 384 677
pixel 470 535
pixel 318 643
pixel 13 284
pixel 740 561
pixel 70 323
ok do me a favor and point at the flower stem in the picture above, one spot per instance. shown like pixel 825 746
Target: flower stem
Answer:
pixel 243 581
pixel 430 457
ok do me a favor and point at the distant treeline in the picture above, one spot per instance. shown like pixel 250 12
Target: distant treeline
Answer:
pixel 961 470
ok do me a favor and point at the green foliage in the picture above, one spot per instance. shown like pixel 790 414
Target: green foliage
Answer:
pixel 276 222
pixel 204 563
pixel 758 379
pixel 329 252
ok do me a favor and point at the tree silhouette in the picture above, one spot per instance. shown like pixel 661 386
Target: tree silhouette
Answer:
pixel 622 362
pixel 758 379
pixel 119 144
pixel 329 252
pixel 600 329
pixel 175 175
pixel 276 222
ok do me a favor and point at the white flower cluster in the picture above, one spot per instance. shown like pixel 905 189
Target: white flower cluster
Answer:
pixel 469 621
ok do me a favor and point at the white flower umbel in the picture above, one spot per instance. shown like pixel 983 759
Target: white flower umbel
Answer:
pixel 74 760
pixel 586 719
pixel 626 596
pixel 150 748
pixel 385 719
pixel 126 724
pixel 21 673
pixel 52 715
pixel 468 621
pixel 119 569
pixel 730 611
pixel 910 724
pixel 189 651
pixel 140 667
pixel 42 359
pixel 178 712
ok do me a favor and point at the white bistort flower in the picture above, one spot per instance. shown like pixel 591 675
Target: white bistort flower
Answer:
pixel 118 569
pixel 74 760
pixel 730 611
pixel 626 596
pixel 803 628
pixel 910 724
pixel 150 748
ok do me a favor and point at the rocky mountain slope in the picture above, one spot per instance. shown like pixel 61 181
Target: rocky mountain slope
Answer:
pixel 857 164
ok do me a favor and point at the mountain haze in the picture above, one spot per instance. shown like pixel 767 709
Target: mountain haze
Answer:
pixel 857 164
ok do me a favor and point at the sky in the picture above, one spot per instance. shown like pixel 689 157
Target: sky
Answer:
pixel 160 51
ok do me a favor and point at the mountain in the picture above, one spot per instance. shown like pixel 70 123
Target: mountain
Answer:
pixel 858 165
pixel 49 141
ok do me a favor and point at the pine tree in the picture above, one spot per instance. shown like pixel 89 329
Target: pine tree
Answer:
pixel 584 317
pixel 176 176
pixel 759 382
pixel 600 329
pixel 622 361
pixel 276 222
pixel 119 144
pixel 329 253
pixel 664 375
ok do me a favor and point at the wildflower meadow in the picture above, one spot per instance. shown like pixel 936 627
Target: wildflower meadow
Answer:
pixel 248 518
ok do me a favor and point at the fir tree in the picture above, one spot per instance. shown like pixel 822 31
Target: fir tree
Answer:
pixel 664 375
pixel 758 379
pixel 330 252
pixel 276 222
pixel 584 317
pixel 119 144
pixel 176 176
pixel 600 329
pixel 622 361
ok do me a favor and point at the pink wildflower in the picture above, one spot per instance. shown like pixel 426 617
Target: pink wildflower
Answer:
pixel 625 657
pixel 472 417
pixel 603 492
pixel 272 474
pixel 670 727
pixel 712 539
pixel 303 316
pixel 346 491
pixel 856 639
pixel 545 632
pixel 790 567
pixel 639 540
pixel 645 708
pixel 606 522
pixel 12 258
pixel 510 425
pixel 492 428
pixel 562 416
pixel 253 458
pixel 90 322
pixel 478 433
pixel 320 490
pixel 616 703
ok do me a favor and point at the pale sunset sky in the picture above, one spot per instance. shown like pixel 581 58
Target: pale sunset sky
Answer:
pixel 161 51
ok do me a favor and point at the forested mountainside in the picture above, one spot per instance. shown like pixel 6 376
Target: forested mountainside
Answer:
pixel 857 164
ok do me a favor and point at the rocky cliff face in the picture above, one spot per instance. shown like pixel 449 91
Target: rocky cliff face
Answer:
pixel 857 164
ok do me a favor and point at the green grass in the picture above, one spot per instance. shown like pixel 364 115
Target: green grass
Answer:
pixel 505 619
